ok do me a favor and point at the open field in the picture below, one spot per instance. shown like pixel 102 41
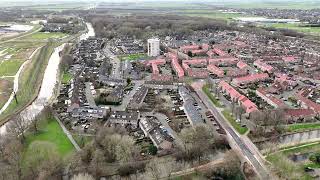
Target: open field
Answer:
pixel 214 14
pixel 45 36
pixel 297 27
pixel 306 4
pixel 231 119
pixel 10 67
pixel 50 131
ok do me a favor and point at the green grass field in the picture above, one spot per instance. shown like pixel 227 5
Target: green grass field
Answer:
pixel 52 132
pixel 213 14
pixel 213 98
pixel 10 67
pixel 231 119
pixel 285 4
pixel 302 127
pixel 297 27
pixel 45 36
pixel 66 77
pixel 132 57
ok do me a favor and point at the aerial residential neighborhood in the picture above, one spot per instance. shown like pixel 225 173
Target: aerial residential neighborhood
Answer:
pixel 147 90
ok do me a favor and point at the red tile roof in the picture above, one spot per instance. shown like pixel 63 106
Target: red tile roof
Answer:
pixel 272 100
pixel 308 103
pixel 236 96
pixel 263 66
pixel 299 112
pixel 241 65
pixel 250 78
pixel 215 70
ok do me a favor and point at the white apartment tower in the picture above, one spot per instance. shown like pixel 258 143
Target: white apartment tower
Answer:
pixel 153 47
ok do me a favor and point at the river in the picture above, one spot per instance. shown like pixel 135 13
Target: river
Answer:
pixel 48 84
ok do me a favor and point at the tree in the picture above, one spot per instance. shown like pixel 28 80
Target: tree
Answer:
pixel 128 81
pixel 153 149
pixel 197 142
pixel 229 169
pixel 159 169
pixel 43 160
pixel 18 126
pixel 11 158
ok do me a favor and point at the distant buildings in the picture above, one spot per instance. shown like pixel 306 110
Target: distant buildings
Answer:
pixel 153 47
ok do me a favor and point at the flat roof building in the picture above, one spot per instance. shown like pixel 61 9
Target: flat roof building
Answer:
pixel 153 47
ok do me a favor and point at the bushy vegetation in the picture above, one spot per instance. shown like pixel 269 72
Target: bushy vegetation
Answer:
pixel 145 26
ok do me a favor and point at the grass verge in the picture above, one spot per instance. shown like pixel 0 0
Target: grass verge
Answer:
pixel 231 119
pixel 302 127
pixel 213 98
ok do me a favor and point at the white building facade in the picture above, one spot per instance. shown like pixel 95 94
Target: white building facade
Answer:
pixel 153 47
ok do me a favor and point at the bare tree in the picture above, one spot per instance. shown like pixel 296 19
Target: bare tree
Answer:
pixel 18 127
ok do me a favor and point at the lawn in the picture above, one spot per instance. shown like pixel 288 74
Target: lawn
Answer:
pixel 133 57
pixel 45 35
pixel 10 67
pixel 231 119
pixel 214 14
pixel 213 98
pixel 66 77
pixel 52 132
pixel 302 127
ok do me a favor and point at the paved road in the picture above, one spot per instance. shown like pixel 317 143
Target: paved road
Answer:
pixel 244 146
pixel 116 64
pixel 89 95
